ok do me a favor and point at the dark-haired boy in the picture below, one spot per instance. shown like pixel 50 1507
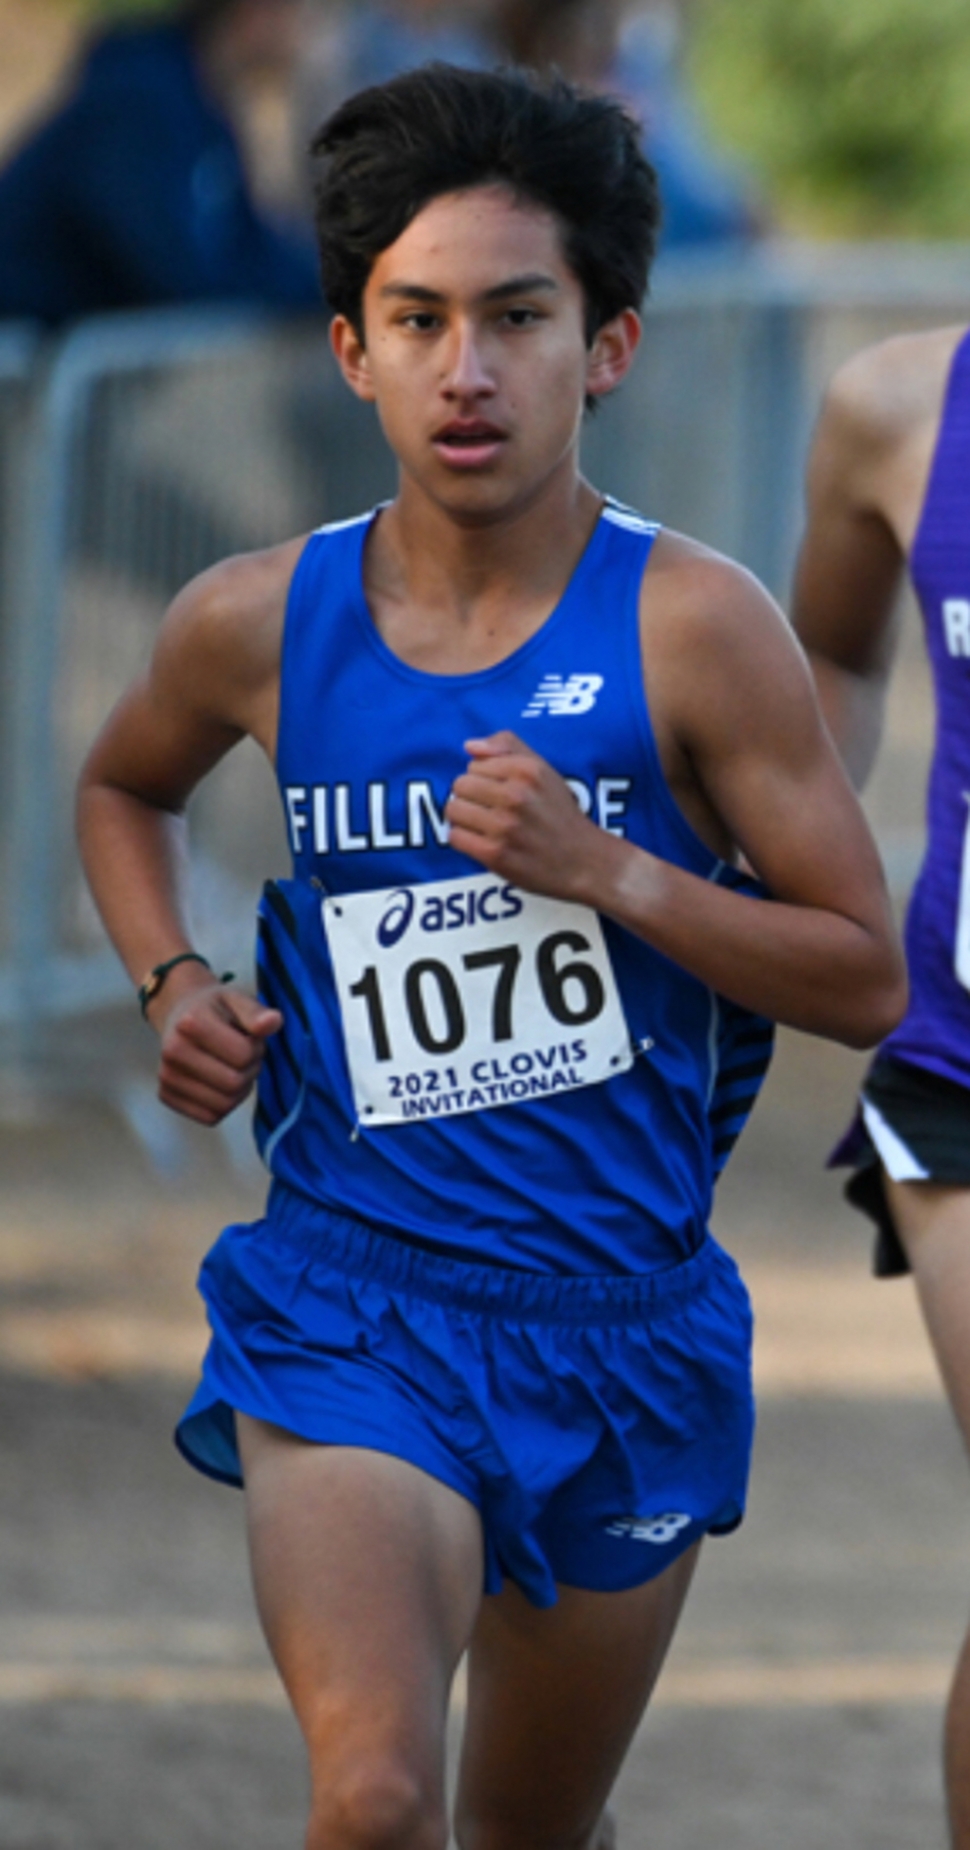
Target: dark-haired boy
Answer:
pixel 483 1344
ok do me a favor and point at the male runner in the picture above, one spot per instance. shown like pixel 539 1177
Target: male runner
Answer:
pixel 888 492
pixel 482 1370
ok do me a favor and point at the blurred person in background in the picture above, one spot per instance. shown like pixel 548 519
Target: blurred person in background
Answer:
pixel 135 193
pixel 358 44
pixel 888 495
pixel 601 44
pixel 634 54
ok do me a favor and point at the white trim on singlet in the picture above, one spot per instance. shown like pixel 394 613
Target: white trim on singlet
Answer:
pixel 713 1044
pixel 628 518
pixel 343 526
pixel 285 1125
pixel 613 511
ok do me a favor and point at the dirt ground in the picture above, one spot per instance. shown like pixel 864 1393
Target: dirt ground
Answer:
pixel 801 1701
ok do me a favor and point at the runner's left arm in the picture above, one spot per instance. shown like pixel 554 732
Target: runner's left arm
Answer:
pixel 736 690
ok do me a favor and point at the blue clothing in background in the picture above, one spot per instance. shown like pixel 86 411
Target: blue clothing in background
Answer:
pixel 707 200
pixel 378 43
pixel 134 194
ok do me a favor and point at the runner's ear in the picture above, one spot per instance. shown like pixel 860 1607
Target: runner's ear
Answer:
pixel 612 353
pixel 351 357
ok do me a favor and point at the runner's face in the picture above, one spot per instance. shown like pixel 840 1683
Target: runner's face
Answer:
pixel 476 353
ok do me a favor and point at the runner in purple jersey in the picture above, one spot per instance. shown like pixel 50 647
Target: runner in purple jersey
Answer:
pixel 889 490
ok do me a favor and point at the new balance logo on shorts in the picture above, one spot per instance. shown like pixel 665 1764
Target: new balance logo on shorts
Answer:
pixel 656 1529
pixel 576 694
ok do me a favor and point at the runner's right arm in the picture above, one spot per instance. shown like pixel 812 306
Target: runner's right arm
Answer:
pixel 739 733
pixel 212 680
pixel 868 477
pixel 851 564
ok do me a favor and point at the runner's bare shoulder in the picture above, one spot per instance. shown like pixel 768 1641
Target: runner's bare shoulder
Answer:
pixel 221 639
pixel 717 649
pixel 695 603
pixel 888 395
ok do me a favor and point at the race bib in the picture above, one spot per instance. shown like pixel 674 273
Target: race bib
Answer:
pixel 463 995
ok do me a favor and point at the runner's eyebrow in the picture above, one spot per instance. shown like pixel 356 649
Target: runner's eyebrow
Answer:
pixel 529 284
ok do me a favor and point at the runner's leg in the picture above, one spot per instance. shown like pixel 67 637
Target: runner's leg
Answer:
pixel 554 1698
pixel 368 1577
pixel 934 1226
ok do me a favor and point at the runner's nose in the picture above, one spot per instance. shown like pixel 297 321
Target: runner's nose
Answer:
pixel 468 374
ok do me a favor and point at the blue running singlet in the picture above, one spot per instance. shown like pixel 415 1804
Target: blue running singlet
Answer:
pixel 493 1076
pixel 492 1119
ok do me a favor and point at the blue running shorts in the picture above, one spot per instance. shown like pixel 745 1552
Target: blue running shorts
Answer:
pixel 599 1425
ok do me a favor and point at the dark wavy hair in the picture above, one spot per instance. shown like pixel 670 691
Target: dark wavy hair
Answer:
pixel 389 150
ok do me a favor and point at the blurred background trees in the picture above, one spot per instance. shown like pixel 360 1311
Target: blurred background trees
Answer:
pixel 854 113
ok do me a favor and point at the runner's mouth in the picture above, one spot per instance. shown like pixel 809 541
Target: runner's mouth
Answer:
pixel 476 442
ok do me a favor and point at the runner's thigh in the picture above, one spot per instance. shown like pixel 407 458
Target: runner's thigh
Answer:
pixel 554 1698
pixel 368 1577
pixel 933 1223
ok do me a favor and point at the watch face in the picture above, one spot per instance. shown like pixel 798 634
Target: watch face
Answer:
pixel 155 978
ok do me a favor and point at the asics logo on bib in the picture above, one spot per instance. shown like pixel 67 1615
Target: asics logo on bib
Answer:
pixel 447 913
pixel 577 694
pixel 656 1529
pixel 396 919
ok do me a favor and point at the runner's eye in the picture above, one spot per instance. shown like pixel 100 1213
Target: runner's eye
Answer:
pixel 420 320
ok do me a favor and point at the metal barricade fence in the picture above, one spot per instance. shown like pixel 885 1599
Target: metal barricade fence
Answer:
pixel 710 431
pixel 161 442
pixel 18 351
pixel 734 365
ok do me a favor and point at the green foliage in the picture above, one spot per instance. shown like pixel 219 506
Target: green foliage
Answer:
pixel 855 112
pixel 107 10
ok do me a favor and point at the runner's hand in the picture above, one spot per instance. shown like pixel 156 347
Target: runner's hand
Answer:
pixel 512 812
pixel 213 1042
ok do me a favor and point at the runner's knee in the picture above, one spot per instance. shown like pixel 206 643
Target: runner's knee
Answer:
pixel 373 1801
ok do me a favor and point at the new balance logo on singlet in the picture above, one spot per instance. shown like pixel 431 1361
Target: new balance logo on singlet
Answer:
pixel 555 696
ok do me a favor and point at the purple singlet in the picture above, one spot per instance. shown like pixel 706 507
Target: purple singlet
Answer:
pixel 935 1032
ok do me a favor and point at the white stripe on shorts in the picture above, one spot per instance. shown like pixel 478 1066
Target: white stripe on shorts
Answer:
pixel 896 1157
